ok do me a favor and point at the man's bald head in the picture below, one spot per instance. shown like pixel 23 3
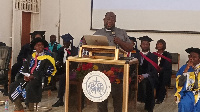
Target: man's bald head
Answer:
pixel 109 20
pixel 110 14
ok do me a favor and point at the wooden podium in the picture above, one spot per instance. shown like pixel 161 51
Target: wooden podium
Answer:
pixel 115 51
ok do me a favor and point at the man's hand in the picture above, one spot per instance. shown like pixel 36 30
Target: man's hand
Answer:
pixel 31 77
pixel 189 64
pixel 117 40
pixel 140 78
pixel 26 78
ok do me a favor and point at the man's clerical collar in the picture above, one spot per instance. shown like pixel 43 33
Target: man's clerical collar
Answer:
pixel 110 30
pixel 107 30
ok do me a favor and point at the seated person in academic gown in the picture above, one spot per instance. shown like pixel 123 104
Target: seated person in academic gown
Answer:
pixel 147 74
pixel 188 83
pixel 135 50
pixel 35 67
pixel 67 50
pixel 164 62
pixel 23 54
pixel 53 45
pixel 53 48
pixel 85 53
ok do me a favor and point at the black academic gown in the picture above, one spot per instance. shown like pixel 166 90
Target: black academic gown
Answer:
pixel 62 70
pixel 23 54
pixel 147 67
pixel 166 66
pixel 34 87
pixel 74 52
pixel 164 76
pixel 134 52
pixel 146 87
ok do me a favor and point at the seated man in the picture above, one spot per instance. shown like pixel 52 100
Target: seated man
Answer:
pixel 187 83
pixel 34 68
pixel 147 74
pixel 53 45
pixel 134 44
pixel 67 50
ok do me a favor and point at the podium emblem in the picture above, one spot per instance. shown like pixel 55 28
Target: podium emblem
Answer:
pixel 96 86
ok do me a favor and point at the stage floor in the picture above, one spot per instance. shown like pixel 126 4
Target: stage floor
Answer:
pixel 168 105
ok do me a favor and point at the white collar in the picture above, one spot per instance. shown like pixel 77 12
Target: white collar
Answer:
pixel 107 30
pixel 40 54
pixel 110 30
pixel 145 53
pixel 160 53
pixel 68 48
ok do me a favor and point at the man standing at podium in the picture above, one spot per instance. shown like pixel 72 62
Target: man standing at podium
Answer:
pixel 115 37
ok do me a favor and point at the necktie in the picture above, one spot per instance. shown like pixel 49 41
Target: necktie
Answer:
pixel 68 51
pixel 128 55
pixel 35 65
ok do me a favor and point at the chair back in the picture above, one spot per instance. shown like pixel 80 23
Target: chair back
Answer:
pixel 175 61
pixel 5 55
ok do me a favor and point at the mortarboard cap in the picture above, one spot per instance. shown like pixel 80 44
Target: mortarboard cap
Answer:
pixel 133 39
pixel 196 50
pixel 42 33
pixel 145 38
pixel 36 40
pixel 67 37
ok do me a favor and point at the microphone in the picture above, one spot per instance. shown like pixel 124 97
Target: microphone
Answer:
pixel 113 34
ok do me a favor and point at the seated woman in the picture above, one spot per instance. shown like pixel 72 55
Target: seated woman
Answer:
pixel 164 76
pixel 34 68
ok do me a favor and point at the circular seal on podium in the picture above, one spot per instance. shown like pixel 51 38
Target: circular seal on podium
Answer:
pixel 96 86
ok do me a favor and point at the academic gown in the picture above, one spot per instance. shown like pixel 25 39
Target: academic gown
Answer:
pixel 23 54
pixel 187 90
pixel 164 76
pixel 54 48
pixel 73 51
pixel 62 70
pixel 146 87
pixel 147 67
pixel 45 67
pixel 134 51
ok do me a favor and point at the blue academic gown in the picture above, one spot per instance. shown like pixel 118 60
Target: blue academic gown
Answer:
pixel 187 100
